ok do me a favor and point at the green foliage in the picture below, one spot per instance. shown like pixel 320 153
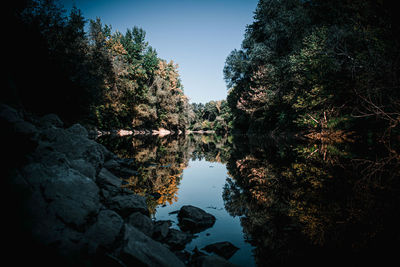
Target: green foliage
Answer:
pixel 308 64
pixel 212 116
pixel 111 80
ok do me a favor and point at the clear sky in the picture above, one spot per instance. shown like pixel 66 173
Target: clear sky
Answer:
pixel 196 34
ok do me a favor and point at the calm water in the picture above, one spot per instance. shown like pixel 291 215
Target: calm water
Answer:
pixel 281 202
pixel 202 186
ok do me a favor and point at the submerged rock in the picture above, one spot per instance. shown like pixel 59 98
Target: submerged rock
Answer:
pixel 177 240
pixel 194 219
pixel 223 249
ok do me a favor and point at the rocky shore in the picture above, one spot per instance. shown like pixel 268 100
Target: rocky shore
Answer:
pixel 66 206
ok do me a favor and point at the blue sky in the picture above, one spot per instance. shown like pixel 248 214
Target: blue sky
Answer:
pixel 196 34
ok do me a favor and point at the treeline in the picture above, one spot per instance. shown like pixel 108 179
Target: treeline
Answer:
pixel 211 116
pixel 102 78
pixel 317 66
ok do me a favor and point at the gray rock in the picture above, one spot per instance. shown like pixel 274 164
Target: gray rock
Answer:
pixel 9 114
pixel 109 182
pixel 140 250
pixel 106 229
pixel 121 167
pixel 177 240
pixel 223 249
pixel 36 174
pixel 25 128
pixel 126 204
pixel 141 222
pixel 161 229
pixel 111 164
pixel 50 120
pixel 75 145
pixel 79 130
pixel 194 219
pixel 73 197
pixel 84 167
pixel 49 157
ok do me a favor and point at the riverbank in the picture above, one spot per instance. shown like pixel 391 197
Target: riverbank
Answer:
pixel 159 132
pixel 69 204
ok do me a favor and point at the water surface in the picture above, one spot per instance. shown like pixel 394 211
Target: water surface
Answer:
pixel 281 202
pixel 202 186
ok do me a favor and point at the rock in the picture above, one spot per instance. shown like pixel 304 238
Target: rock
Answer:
pixel 68 206
pixel 25 128
pixel 126 204
pixel 141 222
pixel 177 240
pixel 125 172
pixel 79 130
pixel 48 157
pixel 111 164
pixel 194 219
pixel 84 167
pixel 120 167
pixel 73 197
pixel 109 182
pixel 184 256
pixel 50 120
pixel 161 229
pixel 140 250
pixel 223 249
pixel 75 145
pixel 212 261
pixel 9 114
pixel 106 229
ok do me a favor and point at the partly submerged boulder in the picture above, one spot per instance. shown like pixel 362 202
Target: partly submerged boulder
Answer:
pixel 194 219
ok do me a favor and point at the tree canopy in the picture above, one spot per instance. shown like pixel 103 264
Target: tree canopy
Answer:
pixel 316 65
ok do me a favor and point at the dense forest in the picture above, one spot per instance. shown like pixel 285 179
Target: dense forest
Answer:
pixel 212 116
pixel 107 79
pixel 317 67
pixel 310 67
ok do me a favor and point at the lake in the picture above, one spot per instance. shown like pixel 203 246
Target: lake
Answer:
pixel 280 202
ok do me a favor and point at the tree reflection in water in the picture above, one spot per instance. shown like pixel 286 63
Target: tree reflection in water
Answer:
pixel 299 202
pixel 315 203
pixel 160 161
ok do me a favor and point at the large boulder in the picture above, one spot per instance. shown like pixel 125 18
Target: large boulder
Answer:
pixel 140 250
pixel 75 145
pixel 126 204
pixel 73 197
pixel 50 121
pixel 108 183
pixel 105 231
pixel 141 222
pixel 194 219
pixel 161 229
